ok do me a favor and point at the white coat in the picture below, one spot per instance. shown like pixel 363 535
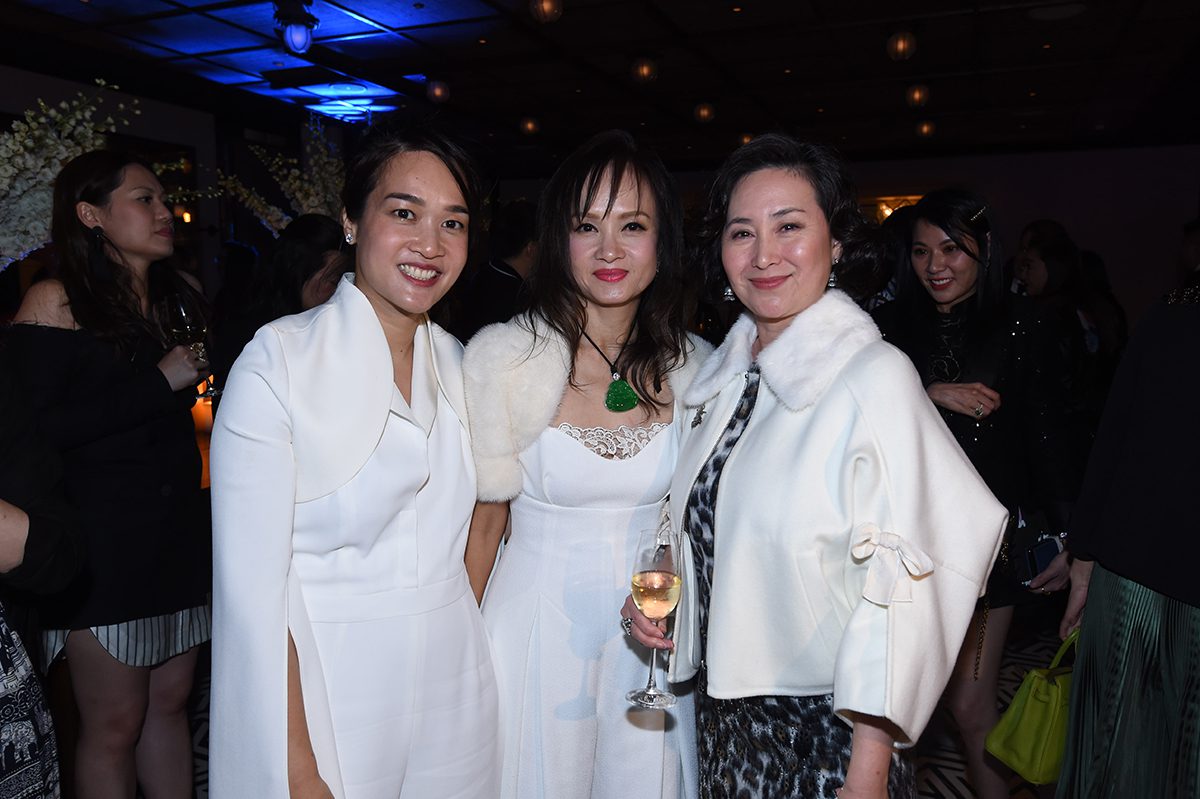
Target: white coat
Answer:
pixel 852 535
pixel 304 413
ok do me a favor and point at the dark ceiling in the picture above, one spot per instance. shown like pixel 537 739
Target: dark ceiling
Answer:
pixel 1000 76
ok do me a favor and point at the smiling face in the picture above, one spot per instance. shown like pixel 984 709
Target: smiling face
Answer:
pixel 614 252
pixel 412 236
pixel 776 247
pixel 135 219
pixel 948 272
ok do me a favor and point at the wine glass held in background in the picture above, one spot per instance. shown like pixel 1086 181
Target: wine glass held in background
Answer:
pixel 656 588
pixel 185 324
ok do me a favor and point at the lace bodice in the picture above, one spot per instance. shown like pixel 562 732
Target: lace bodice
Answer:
pixel 620 444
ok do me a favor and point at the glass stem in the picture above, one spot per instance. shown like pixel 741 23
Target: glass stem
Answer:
pixel 651 686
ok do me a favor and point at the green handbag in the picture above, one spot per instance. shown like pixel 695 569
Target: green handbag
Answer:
pixel 1032 733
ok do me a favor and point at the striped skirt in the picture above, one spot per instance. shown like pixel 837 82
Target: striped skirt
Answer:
pixel 141 642
pixel 1135 696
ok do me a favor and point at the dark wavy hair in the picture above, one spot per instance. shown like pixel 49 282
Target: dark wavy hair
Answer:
pixel 299 254
pixel 100 289
pixel 860 271
pixel 385 141
pixel 659 338
pixel 962 216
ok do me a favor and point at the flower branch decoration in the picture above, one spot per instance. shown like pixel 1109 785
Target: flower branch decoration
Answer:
pixel 315 188
pixel 34 150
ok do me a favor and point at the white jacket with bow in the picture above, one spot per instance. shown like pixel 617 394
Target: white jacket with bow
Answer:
pixel 852 535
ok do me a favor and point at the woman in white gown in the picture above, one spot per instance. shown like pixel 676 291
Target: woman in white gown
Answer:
pixel 584 467
pixel 349 656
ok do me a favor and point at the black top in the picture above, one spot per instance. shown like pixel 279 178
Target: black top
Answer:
pixel 132 470
pixel 1027 451
pixel 1137 510
pixel 31 479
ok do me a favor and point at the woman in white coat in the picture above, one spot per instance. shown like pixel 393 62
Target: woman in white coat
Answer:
pixel 349 657
pixel 836 568
pixel 575 416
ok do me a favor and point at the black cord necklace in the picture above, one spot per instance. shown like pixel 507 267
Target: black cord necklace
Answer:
pixel 620 396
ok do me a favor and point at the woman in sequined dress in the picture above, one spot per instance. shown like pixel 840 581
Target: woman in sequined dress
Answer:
pixel 582 473
pixel 838 534
pixel 991 364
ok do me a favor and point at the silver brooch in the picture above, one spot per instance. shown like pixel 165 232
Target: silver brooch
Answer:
pixel 699 417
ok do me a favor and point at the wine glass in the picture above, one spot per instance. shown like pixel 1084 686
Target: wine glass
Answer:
pixel 185 325
pixel 656 587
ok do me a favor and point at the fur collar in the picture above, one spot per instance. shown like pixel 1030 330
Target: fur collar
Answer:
pixel 799 365
pixel 513 390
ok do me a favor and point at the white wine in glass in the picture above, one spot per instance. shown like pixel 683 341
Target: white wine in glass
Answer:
pixel 655 588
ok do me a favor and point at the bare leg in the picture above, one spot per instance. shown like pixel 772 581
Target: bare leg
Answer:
pixel 111 698
pixel 164 753
pixel 972 701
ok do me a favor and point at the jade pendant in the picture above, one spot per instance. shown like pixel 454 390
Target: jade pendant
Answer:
pixel 620 396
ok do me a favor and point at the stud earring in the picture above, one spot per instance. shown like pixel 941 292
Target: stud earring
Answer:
pixel 833 281
pixel 727 295
pixel 349 238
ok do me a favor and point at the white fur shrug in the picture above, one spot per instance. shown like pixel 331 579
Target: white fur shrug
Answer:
pixel 513 390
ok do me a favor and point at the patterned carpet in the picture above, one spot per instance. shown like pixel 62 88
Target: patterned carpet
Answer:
pixel 941 771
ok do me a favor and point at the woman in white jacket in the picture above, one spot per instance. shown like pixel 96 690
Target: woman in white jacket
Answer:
pixel 349 656
pixel 583 474
pixel 836 569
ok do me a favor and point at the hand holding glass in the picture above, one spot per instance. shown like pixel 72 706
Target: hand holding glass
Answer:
pixel 185 324
pixel 656 587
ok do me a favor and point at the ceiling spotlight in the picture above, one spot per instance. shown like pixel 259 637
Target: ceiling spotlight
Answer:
pixel 529 126
pixel 901 46
pixel 704 112
pixel 917 96
pixel 437 91
pixel 295 23
pixel 745 138
pixel 546 10
pixel 925 129
pixel 644 70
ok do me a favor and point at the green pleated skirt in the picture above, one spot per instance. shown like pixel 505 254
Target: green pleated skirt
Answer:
pixel 1135 696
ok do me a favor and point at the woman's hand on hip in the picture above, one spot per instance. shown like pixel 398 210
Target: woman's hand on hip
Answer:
pixel 646 632
pixel 970 399
pixel 183 368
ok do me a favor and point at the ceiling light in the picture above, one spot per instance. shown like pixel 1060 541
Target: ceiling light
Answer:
pixel 704 112
pixel 901 46
pixel 1046 46
pixel 917 95
pixel 546 10
pixel 644 70
pixel 737 9
pixel 483 41
pixel 437 91
pixel 529 126
pixel 925 129
pixel 295 23
pixel 746 138
pixel 348 88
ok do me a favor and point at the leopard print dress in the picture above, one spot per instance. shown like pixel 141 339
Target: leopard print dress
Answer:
pixel 762 746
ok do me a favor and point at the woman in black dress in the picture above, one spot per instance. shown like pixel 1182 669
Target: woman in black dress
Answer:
pixel 991 366
pixel 87 351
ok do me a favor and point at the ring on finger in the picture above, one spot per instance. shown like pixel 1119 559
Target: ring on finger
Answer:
pixel 978 410
pixel 627 626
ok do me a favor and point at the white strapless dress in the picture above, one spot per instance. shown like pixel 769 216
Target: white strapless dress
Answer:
pixel 562 664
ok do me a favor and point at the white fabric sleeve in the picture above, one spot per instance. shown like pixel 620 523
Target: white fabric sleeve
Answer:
pixel 253 495
pixel 926 533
